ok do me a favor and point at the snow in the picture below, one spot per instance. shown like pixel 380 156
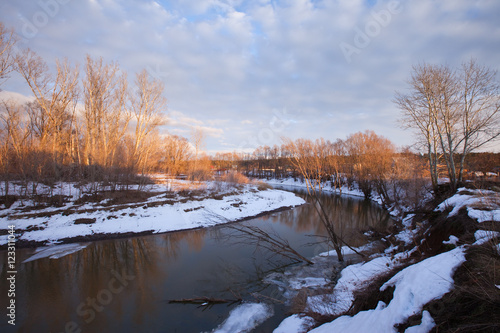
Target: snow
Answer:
pixel 482 205
pixel 453 240
pixel 327 186
pixel 346 250
pixel 245 317
pixel 167 217
pixel 56 251
pixel 408 220
pixel 407 235
pixel 295 324
pixel 352 278
pixel 484 236
pixel 308 282
pixel 425 326
pixel 415 286
pixel 482 215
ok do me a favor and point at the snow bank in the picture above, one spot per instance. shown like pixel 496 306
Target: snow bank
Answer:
pixel 295 324
pixel 415 286
pixel 484 236
pixel 245 317
pixel 482 205
pixel 425 326
pixel 164 218
pixel 352 278
pixel 327 186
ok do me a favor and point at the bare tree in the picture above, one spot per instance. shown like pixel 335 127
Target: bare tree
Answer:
pixel 310 158
pixel 371 158
pixel 15 136
pixel 454 112
pixel 418 113
pixel 105 114
pixel 147 105
pixel 55 97
pixel 199 163
pixel 174 154
pixel 7 57
pixel 480 122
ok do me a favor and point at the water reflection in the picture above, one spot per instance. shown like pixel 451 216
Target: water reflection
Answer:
pixel 52 293
pixel 351 216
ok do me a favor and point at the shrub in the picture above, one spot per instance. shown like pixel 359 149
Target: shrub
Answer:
pixel 235 178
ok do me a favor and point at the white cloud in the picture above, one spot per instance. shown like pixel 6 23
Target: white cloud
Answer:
pixel 237 61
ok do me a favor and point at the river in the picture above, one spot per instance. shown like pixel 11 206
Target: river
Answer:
pixel 124 285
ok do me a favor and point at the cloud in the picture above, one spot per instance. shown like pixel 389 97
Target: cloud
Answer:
pixel 183 125
pixel 227 64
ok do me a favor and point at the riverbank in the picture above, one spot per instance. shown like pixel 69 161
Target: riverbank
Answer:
pixel 160 208
pixel 447 257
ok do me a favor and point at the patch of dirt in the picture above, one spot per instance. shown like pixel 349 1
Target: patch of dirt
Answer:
pixel 8 200
pixel 85 221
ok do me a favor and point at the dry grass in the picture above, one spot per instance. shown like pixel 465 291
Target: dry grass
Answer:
pixel 235 178
pixel 474 304
pixel 261 186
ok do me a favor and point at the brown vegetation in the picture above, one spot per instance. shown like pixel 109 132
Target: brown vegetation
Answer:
pixel 90 127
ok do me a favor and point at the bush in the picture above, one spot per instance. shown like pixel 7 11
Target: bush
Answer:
pixel 235 178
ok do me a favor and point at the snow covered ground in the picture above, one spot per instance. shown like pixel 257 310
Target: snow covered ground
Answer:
pixel 327 188
pixel 162 215
pixel 481 205
pixel 416 285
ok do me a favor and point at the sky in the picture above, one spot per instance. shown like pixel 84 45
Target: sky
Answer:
pixel 248 73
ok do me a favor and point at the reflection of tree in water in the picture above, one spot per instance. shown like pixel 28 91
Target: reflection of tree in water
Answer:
pixel 350 216
pixel 55 288
pixel 49 291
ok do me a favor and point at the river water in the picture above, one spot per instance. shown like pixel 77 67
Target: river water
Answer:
pixel 125 285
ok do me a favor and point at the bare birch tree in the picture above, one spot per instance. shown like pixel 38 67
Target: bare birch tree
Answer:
pixel 454 112
pixel 480 106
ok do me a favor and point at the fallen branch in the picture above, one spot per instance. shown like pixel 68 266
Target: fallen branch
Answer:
pixel 205 301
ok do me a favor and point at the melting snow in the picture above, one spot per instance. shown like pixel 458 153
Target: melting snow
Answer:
pixel 179 216
pixel 352 278
pixel 415 286
pixel 482 205
pixel 56 251
pixel 295 324
pixel 245 318
pixel 483 236
pixel 453 240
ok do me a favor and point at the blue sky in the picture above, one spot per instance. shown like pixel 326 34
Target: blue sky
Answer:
pixel 250 72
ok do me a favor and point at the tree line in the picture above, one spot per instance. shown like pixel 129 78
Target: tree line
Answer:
pixel 90 124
